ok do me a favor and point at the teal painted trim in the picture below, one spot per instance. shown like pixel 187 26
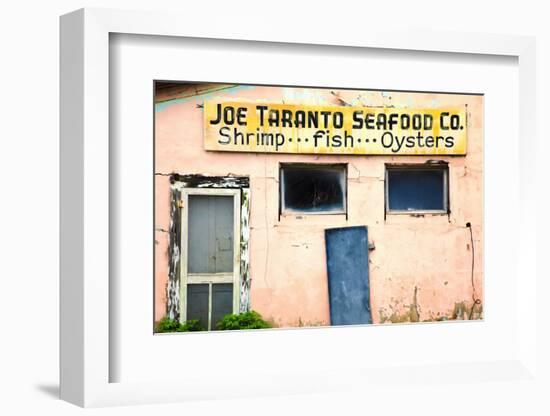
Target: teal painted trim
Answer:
pixel 209 95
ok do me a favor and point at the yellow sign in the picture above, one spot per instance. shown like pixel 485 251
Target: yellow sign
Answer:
pixel 284 128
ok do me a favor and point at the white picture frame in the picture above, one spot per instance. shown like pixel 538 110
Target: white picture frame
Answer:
pixel 85 352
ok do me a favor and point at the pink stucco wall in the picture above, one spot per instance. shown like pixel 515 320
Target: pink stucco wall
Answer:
pixel 420 268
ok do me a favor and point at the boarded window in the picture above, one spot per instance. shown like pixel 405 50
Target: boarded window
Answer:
pixel 413 188
pixel 314 188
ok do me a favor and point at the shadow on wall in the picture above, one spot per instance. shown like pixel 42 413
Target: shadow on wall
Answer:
pixel 51 390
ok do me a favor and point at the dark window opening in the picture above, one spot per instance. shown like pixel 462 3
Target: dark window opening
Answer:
pixel 412 188
pixel 313 189
pixel 197 303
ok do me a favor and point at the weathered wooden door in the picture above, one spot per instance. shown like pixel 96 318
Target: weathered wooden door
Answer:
pixel 210 255
pixel 348 275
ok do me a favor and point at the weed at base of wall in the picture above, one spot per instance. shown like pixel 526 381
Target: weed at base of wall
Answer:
pixel 245 320
pixel 171 325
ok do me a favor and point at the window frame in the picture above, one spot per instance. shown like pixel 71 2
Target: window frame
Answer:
pixel 283 211
pixel 441 166
pixel 209 278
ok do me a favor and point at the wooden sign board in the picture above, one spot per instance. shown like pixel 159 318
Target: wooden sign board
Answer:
pixel 308 129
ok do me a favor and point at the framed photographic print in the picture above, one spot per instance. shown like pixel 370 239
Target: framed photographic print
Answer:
pixel 331 222
pixel 280 207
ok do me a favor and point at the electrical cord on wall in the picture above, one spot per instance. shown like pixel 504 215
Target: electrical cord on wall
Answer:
pixel 476 300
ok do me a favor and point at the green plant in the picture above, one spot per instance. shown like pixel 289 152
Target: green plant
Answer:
pixel 192 325
pixel 167 325
pixel 245 320
pixel 171 325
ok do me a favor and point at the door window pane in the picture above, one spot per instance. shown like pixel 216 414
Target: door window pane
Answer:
pixel 197 303
pixel 222 301
pixel 210 237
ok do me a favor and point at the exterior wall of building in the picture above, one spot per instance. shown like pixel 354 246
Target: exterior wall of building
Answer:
pixel 420 266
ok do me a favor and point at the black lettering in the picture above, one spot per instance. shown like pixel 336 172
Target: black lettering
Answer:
pixel 286 118
pixel 241 116
pixel 261 109
pixel 313 120
pixel 369 121
pixel 428 121
pixel 347 138
pixel 300 119
pixel 405 121
pixel 399 144
pixel 455 121
pixel 442 121
pixel 236 136
pixel 317 135
pixel 224 132
pixel 218 115
pixel 357 119
pixel 325 115
pixel 387 135
pixel 267 139
pixel 338 120
pixel 392 120
pixel 417 122
pixel 273 118
pixel 381 121
pixel 449 141
pixel 279 140
pixel 419 139
pixel 229 115
pixel 248 136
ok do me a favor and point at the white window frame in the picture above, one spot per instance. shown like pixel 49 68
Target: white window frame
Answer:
pixel 418 167
pixel 209 278
pixel 289 211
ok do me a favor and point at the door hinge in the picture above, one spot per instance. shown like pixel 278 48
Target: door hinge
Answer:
pixel 180 203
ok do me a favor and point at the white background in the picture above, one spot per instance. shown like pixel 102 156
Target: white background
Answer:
pixel 29 208
pixel 137 60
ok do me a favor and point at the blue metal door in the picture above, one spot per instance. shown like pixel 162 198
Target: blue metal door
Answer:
pixel 348 275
